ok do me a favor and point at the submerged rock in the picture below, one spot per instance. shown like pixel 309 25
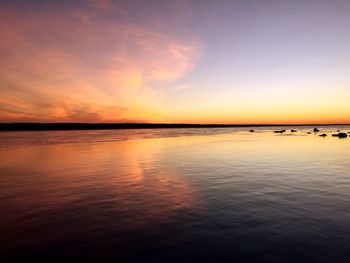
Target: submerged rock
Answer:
pixel 251 131
pixel 293 130
pixel 316 130
pixel 340 135
pixel 323 135
pixel 281 131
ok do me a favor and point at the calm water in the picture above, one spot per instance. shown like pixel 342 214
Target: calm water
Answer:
pixel 174 195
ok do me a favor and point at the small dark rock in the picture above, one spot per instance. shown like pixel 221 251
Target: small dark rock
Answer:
pixel 308 132
pixel 251 131
pixel 316 130
pixel 323 135
pixel 340 135
pixel 281 131
pixel 293 130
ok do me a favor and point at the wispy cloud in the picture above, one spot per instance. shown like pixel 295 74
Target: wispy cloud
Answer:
pixel 182 87
pixel 84 66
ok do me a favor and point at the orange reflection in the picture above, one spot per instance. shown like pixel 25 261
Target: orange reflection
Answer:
pixel 127 175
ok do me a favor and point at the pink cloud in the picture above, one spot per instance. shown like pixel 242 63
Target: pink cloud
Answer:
pixel 79 66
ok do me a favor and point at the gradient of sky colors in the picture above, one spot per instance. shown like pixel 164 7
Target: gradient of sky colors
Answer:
pixel 197 61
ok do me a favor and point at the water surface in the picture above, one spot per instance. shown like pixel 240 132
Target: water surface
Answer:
pixel 175 195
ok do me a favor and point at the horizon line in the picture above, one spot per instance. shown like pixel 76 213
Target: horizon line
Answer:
pixel 47 126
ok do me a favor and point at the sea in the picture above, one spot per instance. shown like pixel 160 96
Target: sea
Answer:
pixel 175 195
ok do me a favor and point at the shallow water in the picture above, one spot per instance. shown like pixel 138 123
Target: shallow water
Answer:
pixel 175 195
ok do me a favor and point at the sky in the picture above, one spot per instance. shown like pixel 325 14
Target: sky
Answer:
pixel 179 61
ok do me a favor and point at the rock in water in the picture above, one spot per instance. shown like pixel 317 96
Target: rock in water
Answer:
pixel 323 135
pixel 251 130
pixel 282 131
pixel 293 130
pixel 316 130
pixel 342 135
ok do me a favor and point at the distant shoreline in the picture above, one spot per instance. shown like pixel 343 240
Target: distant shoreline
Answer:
pixel 118 126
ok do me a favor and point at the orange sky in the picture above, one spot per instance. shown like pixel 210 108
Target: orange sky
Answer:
pixel 178 61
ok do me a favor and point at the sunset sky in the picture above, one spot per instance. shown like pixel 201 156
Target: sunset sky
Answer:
pixel 200 61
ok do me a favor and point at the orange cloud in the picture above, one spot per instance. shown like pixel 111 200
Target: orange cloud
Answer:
pixel 84 65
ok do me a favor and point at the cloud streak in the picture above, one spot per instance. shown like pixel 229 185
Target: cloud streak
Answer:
pixel 86 63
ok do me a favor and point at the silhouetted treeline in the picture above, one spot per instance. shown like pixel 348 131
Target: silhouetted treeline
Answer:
pixel 110 126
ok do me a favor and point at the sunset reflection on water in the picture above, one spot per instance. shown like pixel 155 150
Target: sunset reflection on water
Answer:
pixel 212 193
